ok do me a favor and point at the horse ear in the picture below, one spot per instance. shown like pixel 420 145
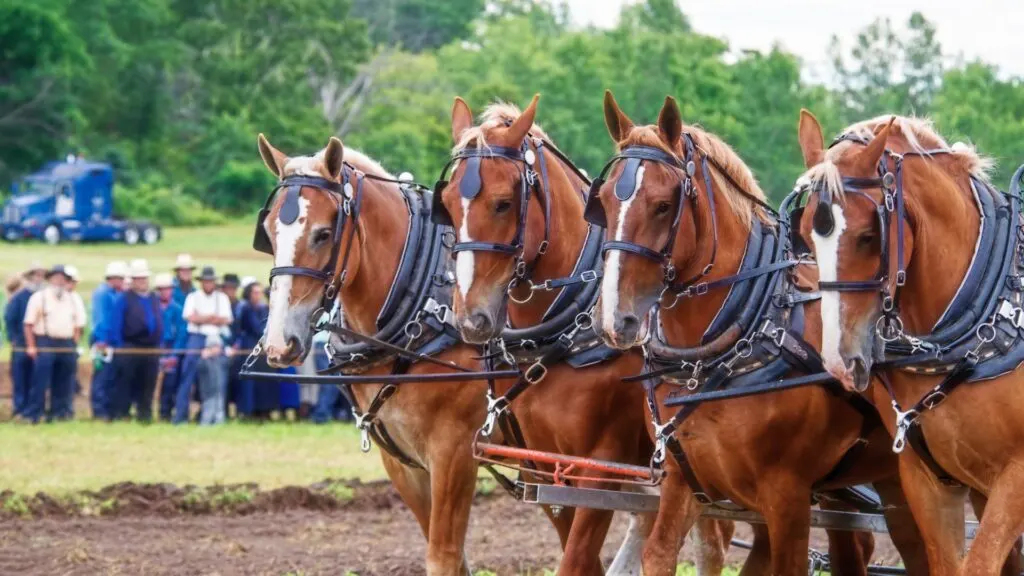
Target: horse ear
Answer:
pixel 272 157
pixel 670 123
pixel 615 119
pixel 521 127
pixel 872 153
pixel 333 158
pixel 812 143
pixel 462 118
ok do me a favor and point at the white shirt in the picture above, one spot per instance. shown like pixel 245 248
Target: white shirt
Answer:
pixel 203 304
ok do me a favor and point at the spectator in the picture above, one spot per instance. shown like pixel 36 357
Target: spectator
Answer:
pixel 229 286
pixel 212 386
pixel 53 325
pixel 208 313
pixel 73 279
pixel 256 400
pixel 14 316
pixel 183 285
pixel 175 338
pixel 103 376
pixel 136 322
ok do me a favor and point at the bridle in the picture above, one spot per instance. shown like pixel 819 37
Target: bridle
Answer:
pixel 471 185
pixel 625 188
pixel 891 210
pixel 348 202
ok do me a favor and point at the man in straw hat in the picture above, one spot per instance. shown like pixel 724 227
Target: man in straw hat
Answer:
pixel 208 312
pixel 103 373
pixel 136 328
pixel 53 326
pixel 184 266
pixel 175 338
pixel 14 316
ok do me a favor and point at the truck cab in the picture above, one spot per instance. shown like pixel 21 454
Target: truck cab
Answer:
pixel 70 201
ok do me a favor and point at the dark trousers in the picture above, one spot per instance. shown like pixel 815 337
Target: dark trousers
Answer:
pixel 21 380
pixel 136 381
pixel 103 381
pixel 168 389
pixel 53 371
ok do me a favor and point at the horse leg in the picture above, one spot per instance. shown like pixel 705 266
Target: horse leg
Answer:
pixel 677 512
pixel 1001 527
pixel 938 511
pixel 413 486
pixel 760 557
pixel 627 559
pixel 711 539
pixel 583 549
pixel 848 552
pixel 902 528
pixel 1012 567
pixel 787 513
pixel 452 485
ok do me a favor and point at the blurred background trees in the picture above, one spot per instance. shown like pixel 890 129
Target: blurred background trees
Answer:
pixel 173 92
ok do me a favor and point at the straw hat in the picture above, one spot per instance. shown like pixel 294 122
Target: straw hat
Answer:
pixel 72 273
pixel 139 268
pixel 117 269
pixel 184 261
pixel 163 280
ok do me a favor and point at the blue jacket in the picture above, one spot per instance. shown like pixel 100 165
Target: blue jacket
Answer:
pixel 116 318
pixel 175 327
pixel 178 294
pixel 103 298
pixel 14 317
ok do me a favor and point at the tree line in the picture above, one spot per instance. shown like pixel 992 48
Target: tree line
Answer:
pixel 173 92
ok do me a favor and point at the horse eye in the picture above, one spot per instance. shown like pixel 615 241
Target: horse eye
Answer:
pixel 502 206
pixel 321 236
pixel 866 240
pixel 663 208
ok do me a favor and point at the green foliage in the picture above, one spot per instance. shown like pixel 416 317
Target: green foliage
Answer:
pixel 173 92
pixel 16 504
pixel 340 491
pixel 231 498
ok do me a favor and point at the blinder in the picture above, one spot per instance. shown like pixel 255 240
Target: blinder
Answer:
pixel 290 209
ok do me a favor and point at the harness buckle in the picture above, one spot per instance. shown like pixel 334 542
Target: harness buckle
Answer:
pixel 901 277
pixel 531 177
pixel 887 303
pixel 696 290
pixel 536 373
pixel 904 420
pixel 588 276
pixel 933 399
pixel 670 272
pixel 543 248
pixel 363 423
pixel 660 441
pixel 888 181
pixel 890 202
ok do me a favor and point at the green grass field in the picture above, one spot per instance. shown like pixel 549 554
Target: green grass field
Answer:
pixel 65 457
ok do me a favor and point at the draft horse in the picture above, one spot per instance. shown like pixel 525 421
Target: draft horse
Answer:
pixel 526 270
pixel 920 264
pixel 697 270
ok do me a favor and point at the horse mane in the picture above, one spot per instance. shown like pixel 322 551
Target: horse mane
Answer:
pixel 313 165
pixel 920 137
pixel 724 158
pixel 495 115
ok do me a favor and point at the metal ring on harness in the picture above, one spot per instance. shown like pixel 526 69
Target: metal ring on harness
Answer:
pixel 413 329
pixel 513 284
pixel 532 378
pixel 584 321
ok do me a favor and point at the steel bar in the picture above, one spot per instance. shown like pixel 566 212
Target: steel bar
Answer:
pixel 378 378
pixel 628 470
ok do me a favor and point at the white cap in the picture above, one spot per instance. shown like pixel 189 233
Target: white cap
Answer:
pixel 184 261
pixel 247 280
pixel 117 269
pixel 139 268
pixel 163 280
pixel 72 273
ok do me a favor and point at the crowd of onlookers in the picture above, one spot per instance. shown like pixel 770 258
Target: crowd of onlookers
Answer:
pixel 188 334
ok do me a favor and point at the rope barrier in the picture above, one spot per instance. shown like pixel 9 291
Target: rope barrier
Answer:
pixel 229 351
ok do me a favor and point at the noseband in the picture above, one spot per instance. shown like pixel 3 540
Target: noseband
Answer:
pixel 891 209
pixel 347 202
pixel 471 185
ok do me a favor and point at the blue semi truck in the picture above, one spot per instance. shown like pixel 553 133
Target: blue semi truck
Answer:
pixel 70 201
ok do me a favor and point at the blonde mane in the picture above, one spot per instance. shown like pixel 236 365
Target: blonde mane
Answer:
pixel 495 115
pixel 920 136
pixel 724 157
pixel 314 165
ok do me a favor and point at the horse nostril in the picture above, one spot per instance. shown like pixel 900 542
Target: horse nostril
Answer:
pixel 861 372
pixel 627 327
pixel 480 322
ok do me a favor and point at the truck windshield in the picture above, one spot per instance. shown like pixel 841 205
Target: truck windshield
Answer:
pixel 36 186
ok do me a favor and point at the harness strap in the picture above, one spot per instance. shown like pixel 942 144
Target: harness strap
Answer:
pixel 404 353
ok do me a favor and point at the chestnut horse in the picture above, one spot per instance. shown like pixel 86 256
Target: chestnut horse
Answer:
pixel 765 453
pixel 895 220
pixel 585 411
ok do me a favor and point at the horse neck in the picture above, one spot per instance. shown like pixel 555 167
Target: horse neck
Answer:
pixel 568 233
pixel 383 227
pixel 946 225
pixel 685 324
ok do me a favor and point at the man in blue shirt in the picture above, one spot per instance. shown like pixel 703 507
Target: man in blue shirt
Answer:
pixel 175 338
pixel 103 373
pixel 14 317
pixel 136 321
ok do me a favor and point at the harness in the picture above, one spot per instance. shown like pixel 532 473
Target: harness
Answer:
pixel 978 337
pixel 756 337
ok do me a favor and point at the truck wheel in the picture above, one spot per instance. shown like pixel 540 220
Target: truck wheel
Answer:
pixel 131 236
pixel 51 235
pixel 11 235
pixel 150 234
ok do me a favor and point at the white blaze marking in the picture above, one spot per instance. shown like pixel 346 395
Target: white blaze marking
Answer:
pixel 288 237
pixel 612 269
pixel 464 260
pixel 826 248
